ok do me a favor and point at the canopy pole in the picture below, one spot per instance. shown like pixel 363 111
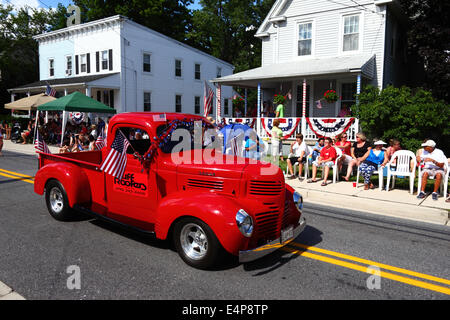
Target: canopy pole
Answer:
pixel 245 103
pixel 259 109
pixel 64 120
pixel 36 125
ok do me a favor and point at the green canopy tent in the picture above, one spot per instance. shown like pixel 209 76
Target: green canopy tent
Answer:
pixel 74 102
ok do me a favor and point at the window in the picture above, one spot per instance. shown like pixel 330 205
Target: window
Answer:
pixel 68 65
pixel 99 96
pixel 51 67
pixel 178 68
pixel 219 72
pixel 197 105
pixel 305 39
pixel 147 101
pixel 106 97
pixel 351 33
pixel 146 67
pixel 225 107
pixel 197 72
pixel 105 60
pixel 138 138
pixel 83 63
pixel 177 103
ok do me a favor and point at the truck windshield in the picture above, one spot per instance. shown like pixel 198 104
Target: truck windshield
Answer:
pixel 184 136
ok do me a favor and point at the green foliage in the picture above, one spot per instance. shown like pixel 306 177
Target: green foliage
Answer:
pixel 403 114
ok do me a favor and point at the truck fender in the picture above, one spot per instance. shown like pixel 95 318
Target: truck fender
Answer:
pixel 72 177
pixel 217 211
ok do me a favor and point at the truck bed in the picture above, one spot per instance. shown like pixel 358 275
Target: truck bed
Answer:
pixel 93 158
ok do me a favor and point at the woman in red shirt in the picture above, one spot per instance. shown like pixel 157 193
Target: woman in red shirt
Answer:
pixel 346 146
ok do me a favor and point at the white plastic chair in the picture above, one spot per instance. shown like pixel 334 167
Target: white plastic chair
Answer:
pixel 402 168
pixel 295 165
pixel 335 166
pixel 444 183
pixel 379 172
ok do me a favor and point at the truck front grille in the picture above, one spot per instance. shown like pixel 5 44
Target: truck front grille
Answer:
pixel 265 188
pixel 267 222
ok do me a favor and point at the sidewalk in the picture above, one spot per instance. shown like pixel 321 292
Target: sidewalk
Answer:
pixel 394 203
pixel 6 293
pixel 24 148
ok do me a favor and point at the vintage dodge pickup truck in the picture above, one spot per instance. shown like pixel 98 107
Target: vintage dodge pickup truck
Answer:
pixel 232 205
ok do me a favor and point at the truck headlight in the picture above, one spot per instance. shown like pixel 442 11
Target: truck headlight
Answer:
pixel 298 200
pixel 244 223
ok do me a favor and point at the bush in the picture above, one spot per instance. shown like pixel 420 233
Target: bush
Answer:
pixel 403 114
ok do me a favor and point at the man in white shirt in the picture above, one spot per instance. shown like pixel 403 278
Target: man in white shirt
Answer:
pixel 433 162
pixel 299 153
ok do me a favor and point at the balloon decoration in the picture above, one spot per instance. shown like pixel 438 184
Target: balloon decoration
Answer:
pixel 329 127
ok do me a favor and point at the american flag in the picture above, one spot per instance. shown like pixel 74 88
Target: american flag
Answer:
pixel 208 95
pixel 50 91
pixel 116 161
pixel 160 117
pixel 40 144
pixel 100 143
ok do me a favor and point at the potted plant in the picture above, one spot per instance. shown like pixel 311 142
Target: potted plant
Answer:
pixel 330 96
pixel 279 99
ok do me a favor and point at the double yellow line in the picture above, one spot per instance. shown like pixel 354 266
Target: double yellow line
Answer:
pixel 17 176
pixel 304 251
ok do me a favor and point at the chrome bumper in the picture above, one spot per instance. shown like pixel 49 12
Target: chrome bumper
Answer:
pixel 254 254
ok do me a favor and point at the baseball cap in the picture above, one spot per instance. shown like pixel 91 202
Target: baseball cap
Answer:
pixel 429 143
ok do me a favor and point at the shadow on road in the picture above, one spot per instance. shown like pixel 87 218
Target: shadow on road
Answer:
pixel 310 236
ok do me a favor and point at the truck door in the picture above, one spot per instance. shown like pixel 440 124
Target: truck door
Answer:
pixel 132 200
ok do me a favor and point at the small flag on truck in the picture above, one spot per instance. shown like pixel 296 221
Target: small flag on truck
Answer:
pixel 160 117
pixel 116 161
pixel 40 144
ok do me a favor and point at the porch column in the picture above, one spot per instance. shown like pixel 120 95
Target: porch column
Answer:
pixel 65 91
pixel 12 100
pixel 29 111
pixel 258 123
pixel 88 91
pixel 218 103
pixel 358 87
pixel 304 110
pixel 245 114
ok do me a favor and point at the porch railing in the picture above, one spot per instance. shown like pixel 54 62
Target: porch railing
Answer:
pixel 302 126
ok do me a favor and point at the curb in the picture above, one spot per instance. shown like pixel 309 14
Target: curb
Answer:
pixel 6 293
pixel 380 207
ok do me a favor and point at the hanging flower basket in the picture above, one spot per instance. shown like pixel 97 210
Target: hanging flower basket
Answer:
pixel 330 96
pixel 238 102
pixel 279 99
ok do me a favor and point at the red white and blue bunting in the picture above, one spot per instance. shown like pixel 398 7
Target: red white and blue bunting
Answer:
pixel 76 117
pixel 287 125
pixel 329 127
pixel 247 121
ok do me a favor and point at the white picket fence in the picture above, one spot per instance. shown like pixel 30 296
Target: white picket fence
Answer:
pixel 308 133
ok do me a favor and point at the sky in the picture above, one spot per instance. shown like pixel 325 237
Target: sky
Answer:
pixel 54 3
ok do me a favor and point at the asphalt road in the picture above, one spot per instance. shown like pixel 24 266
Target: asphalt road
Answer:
pixel 329 260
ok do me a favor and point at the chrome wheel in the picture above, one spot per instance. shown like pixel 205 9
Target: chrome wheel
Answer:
pixel 194 241
pixel 56 200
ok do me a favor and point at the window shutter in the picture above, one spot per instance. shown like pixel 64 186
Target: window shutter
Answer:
pixel 88 58
pixel 97 61
pixel 110 59
pixel 77 66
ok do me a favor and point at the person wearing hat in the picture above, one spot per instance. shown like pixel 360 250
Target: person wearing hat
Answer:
pixel 433 161
pixel 371 160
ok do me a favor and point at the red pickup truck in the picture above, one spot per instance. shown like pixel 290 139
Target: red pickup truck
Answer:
pixel 232 205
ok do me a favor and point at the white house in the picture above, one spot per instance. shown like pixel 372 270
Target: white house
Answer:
pixel 310 46
pixel 126 66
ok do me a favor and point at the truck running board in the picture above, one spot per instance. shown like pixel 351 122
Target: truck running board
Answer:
pixel 106 219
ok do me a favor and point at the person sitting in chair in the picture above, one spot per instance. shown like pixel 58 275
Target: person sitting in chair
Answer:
pixel 370 162
pixel 433 161
pixel 326 160
pixel 299 152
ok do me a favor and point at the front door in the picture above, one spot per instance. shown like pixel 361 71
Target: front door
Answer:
pixel 132 199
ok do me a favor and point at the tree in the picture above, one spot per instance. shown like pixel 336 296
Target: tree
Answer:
pixel 404 114
pixel 19 56
pixel 169 17
pixel 429 39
